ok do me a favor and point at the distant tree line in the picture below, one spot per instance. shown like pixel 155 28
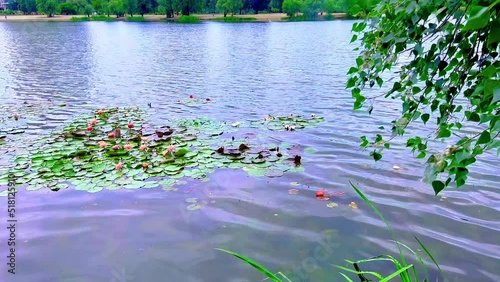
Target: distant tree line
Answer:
pixel 119 8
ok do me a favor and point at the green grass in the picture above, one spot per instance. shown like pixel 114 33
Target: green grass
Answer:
pixel 93 18
pixel 135 19
pixel 406 272
pixel 302 18
pixel 234 19
pixel 188 19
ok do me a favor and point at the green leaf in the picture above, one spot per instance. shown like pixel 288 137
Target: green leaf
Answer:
pixel 99 167
pixel 425 118
pixel 496 95
pixel 479 18
pixel 489 71
pixel 376 155
pixel 484 138
pixel 444 133
pixel 438 186
pixel 254 264
pixel 181 152
pixel 494 34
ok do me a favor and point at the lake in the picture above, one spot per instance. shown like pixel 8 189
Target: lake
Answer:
pixel 248 70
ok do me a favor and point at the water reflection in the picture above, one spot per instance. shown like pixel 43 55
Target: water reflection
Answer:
pixel 249 71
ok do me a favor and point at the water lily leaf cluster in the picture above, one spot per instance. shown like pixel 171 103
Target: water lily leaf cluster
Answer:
pixel 290 122
pixel 117 148
pixel 446 56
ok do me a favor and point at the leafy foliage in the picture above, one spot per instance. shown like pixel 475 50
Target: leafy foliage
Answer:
pixel 448 82
pixel 143 6
pixel 130 7
pixel 48 7
pixel 229 6
pixel 186 7
pixel 166 7
pixel 67 8
pixel 116 7
pixel 292 7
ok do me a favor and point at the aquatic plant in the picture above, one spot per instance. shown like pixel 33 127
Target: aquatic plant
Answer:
pixel 405 271
pixel 118 148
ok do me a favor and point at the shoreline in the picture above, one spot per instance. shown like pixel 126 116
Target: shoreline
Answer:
pixel 273 17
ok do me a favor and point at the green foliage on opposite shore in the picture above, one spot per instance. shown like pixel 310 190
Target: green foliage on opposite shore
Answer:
pixel 188 19
pixel 93 18
pixel 234 19
pixel 303 18
pixel 135 19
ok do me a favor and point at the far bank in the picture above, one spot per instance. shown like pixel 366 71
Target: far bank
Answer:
pixel 271 17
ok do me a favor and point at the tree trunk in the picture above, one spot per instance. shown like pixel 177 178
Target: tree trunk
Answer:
pixel 225 14
pixel 240 11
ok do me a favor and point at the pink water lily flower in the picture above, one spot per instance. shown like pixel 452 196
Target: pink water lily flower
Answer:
pixel 144 139
pixel 143 147
pixel 171 149
pixel 119 166
pixel 103 145
pixel 127 146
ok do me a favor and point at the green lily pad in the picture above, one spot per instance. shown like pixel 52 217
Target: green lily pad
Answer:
pixel 257 172
pixel 310 150
pixel 134 185
pixel 181 152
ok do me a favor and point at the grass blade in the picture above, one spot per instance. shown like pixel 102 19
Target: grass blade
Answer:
pixel 369 203
pixel 429 254
pixel 284 276
pixel 360 272
pixel 400 271
pixel 254 264
pixel 346 277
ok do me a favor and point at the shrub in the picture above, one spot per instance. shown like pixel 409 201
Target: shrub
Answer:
pixel 234 19
pixel 135 19
pixel 188 19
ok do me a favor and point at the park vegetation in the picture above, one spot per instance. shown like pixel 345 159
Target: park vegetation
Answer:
pixel 295 9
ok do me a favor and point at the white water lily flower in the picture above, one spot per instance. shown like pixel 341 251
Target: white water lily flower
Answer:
pixel 236 124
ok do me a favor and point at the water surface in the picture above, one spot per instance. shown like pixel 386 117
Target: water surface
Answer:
pixel 248 70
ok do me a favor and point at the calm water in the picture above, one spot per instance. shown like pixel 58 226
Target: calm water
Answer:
pixel 248 70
